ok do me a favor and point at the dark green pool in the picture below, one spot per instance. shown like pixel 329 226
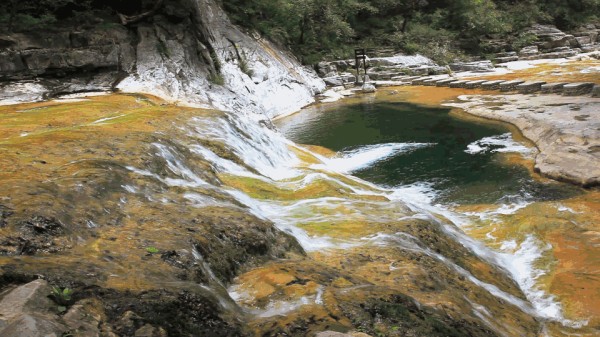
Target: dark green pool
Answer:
pixel 460 176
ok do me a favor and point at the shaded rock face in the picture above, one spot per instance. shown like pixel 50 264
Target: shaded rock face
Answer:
pixel 189 52
pixel 64 62
pixel 548 42
pixel 27 310
pixel 340 72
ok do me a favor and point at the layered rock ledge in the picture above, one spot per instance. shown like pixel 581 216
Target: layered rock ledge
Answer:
pixel 566 131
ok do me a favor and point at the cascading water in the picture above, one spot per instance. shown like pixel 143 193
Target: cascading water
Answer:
pixel 260 154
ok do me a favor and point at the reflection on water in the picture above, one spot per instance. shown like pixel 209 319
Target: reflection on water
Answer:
pixel 459 159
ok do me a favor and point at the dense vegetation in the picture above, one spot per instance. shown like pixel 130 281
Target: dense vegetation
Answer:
pixel 331 28
pixel 317 29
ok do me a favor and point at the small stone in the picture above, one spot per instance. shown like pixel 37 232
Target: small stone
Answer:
pixel 368 88
pixel 420 80
pixel 331 334
pixel 150 331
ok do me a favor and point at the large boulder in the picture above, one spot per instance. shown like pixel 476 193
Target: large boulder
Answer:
pixel 26 311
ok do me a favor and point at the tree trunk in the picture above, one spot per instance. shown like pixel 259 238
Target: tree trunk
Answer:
pixel 128 19
pixel 302 29
pixel 405 23
pixel 14 6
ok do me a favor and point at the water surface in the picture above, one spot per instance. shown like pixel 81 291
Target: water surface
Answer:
pixel 461 161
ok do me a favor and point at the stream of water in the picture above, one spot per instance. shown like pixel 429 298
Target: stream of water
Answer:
pixel 420 199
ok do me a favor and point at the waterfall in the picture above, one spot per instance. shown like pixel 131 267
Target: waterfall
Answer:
pixel 264 155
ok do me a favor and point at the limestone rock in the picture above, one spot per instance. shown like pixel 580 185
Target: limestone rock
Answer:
pixel 530 50
pixel 577 89
pixel 530 87
pixel 492 85
pixel 568 146
pixel 26 312
pixel 474 84
pixel 161 57
pixel 334 81
pixel 368 88
pixel 510 85
pixel 444 82
pixel 553 88
pixel 458 84
pixel 479 66
pixel 150 331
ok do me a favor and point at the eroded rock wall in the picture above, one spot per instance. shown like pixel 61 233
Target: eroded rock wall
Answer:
pixel 191 55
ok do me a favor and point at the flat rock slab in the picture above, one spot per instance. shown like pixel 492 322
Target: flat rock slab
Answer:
pixel 530 87
pixel 430 82
pixel 445 82
pixel 577 89
pixel 510 85
pixel 28 297
pixel 339 334
pixel 420 80
pixel 458 84
pixel 505 59
pixel 492 85
pixel 553 88
pixel 25 311
pixel 474 84
pixel 566 130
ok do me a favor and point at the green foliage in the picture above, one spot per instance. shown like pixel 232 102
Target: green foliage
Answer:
pixel 216 79
pixel 523 40
pixel 152 250
pixel 244 66
pixel 317 29
pixel 163 49
pixel 62 297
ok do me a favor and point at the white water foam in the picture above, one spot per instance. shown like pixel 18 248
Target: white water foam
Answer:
pixel 106 119
pixel 517 260
pixel 263 149
pixel 410 243
pixel 501 143
pixel 365 156
pixel 268 153
pixel 280 215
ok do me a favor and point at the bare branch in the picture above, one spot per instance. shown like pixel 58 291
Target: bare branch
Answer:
pixel 128 19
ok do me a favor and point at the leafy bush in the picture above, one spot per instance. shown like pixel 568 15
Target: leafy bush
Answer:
pixel 62 297
pixel 523 40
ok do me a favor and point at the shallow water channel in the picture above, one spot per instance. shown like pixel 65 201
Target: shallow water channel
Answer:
pixel 408 219
pixel 473 172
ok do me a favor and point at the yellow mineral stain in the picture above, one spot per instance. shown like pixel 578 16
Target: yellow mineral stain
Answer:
pixel 571 227
pixel 580 71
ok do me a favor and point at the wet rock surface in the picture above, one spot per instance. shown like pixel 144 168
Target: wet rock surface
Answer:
pixel 120 251
pixel 565 130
